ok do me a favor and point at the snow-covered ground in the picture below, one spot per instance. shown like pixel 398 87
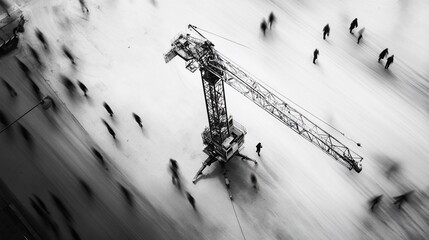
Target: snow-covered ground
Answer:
pixel 303 193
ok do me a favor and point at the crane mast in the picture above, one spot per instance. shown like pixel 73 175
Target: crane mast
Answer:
pixel 224 136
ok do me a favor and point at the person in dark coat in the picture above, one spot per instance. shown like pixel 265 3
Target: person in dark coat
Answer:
pixel 83 6
pixel 73 233
pixel 360 35
pixel 99 157
pixel 3 119
pixel 190 199
pixel 108 109
pixel 109 129
pixel 41 38
pixel 315 54
pixel 126 194
pixel 271 19
pixel 35 55
pixel 23 67
pixel 82 87
pixel 373 203
pixel 258 148
pixel 399 200
pixel 138 119
pixel 353 25
pixel 63 209
pixel 25 133
pixel 383 54
pixel 68 54
pixel 326 31
pixel 41 203
pixel 263 26
pixel 35 88
pixel 389 61
pixel 174 167
pixel 9 88
pixel 68 83
pixel 253 180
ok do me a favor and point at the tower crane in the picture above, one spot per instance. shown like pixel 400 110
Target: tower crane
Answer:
pixel 224 137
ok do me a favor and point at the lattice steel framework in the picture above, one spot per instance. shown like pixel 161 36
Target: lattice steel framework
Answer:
pixel 216 69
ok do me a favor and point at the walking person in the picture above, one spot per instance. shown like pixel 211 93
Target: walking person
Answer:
pixel 99 157
pixel 3 119
pixel 35 55
pixel 127 194
pixel 108 109
pixel 271 19
pixel 315 54
pixel 326 31
pixel 68 54
pixel 23 67
pixel 263 26
pixel 83 6
pixel 9 88
pixel 41 38
pixel 253 180
pixel 353 25
pixel 138 120
pixel 399 200
pixel 374 202
pixel 258 148
pixel 174 167
pixel 389 61
pixel 109 129
pixel 60 205
pixel 360 35
pixel 82 87
pixel 383 54
pixel 190 199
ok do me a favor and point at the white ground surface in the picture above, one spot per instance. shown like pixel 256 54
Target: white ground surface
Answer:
pixel 303 193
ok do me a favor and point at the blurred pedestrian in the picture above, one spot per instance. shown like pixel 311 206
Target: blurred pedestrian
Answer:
pixel 271 19
pixel 41 38
pixel 263 26
pixel 174 167
pixel 68 84
pixel 3 119
pixel 353 25
pixel 68 54
pixel 138 119
pixel 399 200
pixel 258 148
pixel 73 233
pixel 41 203
pixel 360 35
pixel 9 88
pixel 25 133
pixel 35 88
pixel 35 55
pixel 86 188
pixel 83 6
pixel 126 194
pixel 315 54
pixel 253 180
pixel 99 157
pixel 108 109
pixel 23 67
pixel 190 199
pixel 109 129
pixel 389 61
pixel 82 87
pixel 326 31
pixel 373 202
pixel 383 54
pixel 60 205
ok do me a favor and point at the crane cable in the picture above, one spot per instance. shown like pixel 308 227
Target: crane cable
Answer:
pixel 238 221
pixel 220 37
